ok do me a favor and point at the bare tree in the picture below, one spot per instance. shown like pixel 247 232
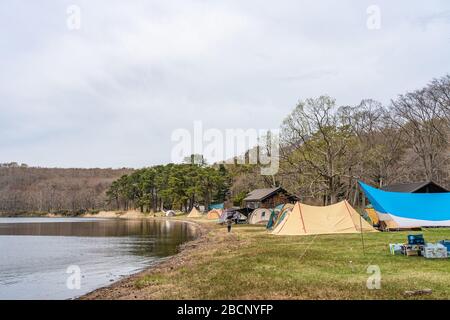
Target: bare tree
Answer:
pixel 439 91
pixel 380 146
pixel 422 118
pixel 321 143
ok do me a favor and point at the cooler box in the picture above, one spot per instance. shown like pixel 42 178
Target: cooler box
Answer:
pixel 416 239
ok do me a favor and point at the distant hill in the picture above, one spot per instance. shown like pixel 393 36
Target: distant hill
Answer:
pixel 26 189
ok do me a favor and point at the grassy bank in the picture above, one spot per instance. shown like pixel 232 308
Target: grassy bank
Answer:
pixel 249 263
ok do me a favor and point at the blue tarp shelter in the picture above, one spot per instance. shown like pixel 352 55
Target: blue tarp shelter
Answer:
pixel 410 210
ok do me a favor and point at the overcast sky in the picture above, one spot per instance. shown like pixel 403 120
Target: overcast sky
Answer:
pixel 110 93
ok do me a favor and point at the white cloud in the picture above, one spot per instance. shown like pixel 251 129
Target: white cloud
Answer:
pixel 111 93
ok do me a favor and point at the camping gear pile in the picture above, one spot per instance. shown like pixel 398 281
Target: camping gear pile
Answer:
pixel 239 217
pixel 220 215
pixel 232 214
pixel 417 246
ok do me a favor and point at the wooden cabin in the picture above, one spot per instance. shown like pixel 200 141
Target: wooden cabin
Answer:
pixel 268 198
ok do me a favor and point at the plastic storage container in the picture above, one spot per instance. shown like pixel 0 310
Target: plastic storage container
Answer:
pixel 434 251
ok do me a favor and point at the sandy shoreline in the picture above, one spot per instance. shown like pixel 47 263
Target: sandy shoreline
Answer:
pixel 131 214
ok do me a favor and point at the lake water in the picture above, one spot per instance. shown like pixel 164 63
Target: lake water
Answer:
pixel 41 258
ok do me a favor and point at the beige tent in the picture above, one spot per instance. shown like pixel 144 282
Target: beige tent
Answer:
pixel 386 225
pixel 336 218
pixel 260 216
pixel 214 214
pixel 391 225
pixel 194 213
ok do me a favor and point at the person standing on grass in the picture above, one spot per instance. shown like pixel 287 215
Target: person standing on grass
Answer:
pixel 229 223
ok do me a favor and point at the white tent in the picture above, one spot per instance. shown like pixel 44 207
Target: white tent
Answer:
pixel 170 213
pixel 260 216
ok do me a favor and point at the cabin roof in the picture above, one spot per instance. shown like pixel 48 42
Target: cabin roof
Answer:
pixel 262 194
pixel 413 187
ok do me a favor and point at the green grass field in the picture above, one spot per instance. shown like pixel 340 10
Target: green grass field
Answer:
pixel 249 263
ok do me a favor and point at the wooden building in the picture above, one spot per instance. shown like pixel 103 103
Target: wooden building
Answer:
pixel 417 187
pixel 268 198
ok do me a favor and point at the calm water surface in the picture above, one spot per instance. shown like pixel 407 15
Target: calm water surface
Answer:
pixel 35 253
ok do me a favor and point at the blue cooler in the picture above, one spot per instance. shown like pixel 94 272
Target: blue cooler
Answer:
pixel 416 239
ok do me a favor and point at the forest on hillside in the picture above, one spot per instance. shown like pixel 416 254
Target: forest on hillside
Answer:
pixel 171 186
pixel 26 189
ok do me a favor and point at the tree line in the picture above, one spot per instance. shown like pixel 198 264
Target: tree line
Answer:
pixel 25 190
pixel 171 186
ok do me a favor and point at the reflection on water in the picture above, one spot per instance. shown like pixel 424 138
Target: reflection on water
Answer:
pixel 35 253
pixel 97 228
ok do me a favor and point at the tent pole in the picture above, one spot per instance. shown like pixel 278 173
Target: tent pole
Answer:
pixel 362 236
pixel 360 223
pixel 360 220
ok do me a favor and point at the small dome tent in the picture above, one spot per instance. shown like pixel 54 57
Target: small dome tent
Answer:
pixel 214 214
pixel 260 216
pixel 170 213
